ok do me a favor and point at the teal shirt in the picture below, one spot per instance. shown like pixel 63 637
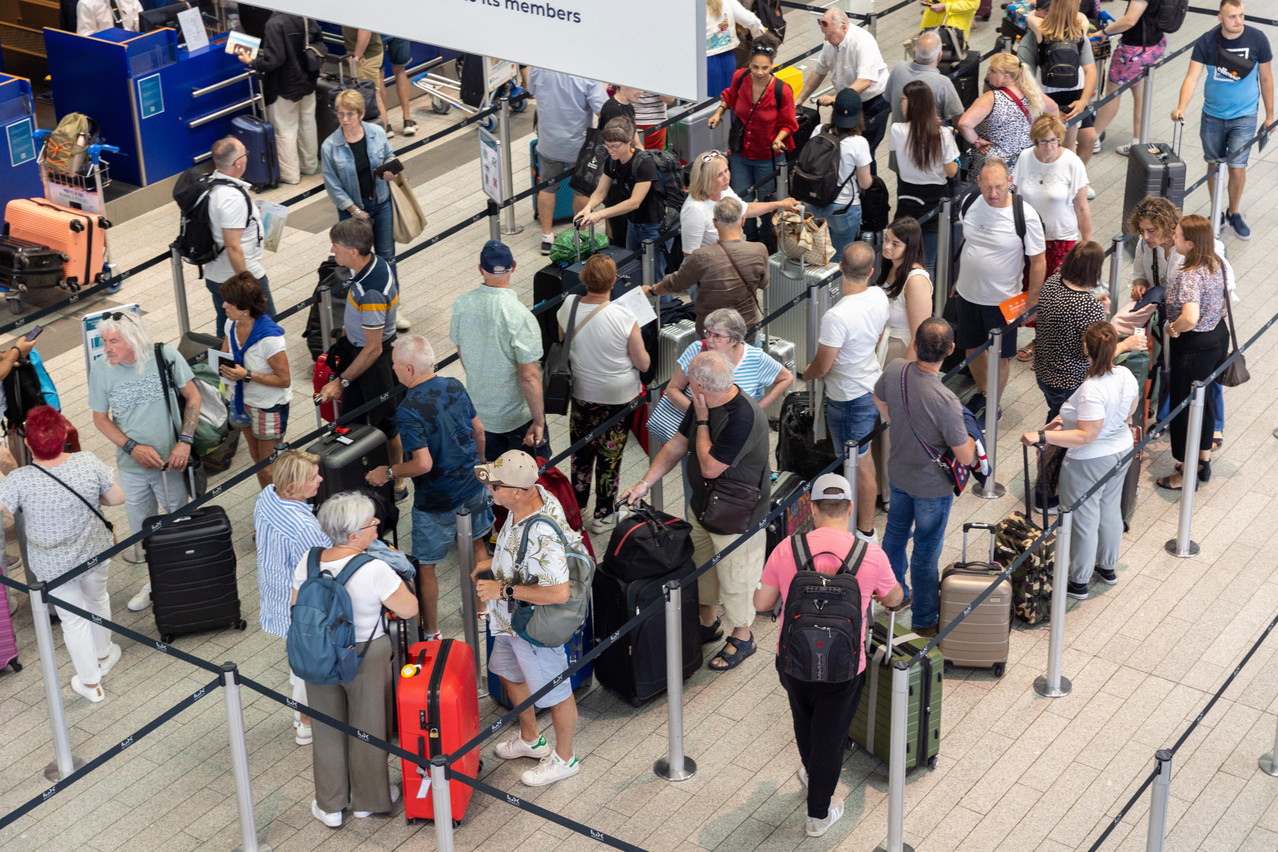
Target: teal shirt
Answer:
pixel 495 333
pixel 132 397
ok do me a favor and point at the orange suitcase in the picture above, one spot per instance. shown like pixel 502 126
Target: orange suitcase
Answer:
pixel 79 235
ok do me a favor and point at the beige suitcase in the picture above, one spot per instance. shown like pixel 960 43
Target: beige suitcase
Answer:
pixel 980 640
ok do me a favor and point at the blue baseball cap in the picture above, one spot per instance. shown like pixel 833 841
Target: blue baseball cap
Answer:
pixel 495 258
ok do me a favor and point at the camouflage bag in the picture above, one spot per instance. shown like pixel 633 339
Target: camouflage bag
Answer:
pixel 1032 580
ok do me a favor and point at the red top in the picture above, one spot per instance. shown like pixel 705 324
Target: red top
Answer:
pixel 763 124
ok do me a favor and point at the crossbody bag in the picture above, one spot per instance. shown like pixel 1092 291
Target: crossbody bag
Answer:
pixel 955 472
pixel 94 509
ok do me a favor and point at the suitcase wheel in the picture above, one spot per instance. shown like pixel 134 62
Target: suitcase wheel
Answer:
pixel 488 123
pixel 949 667
pixel 456 823
pixel 240 625
pixel 76 226
pixel 15 665
pixel 999 668
pixel 104 222
pixel 167 638
pixel 931 762
pixel 15 304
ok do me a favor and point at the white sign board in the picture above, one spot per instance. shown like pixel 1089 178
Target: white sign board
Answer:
pixel 490 165
pixel 654 45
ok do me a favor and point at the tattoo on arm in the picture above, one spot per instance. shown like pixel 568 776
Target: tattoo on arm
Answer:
pixel 190 419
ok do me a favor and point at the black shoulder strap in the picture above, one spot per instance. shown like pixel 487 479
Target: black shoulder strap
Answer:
pixel 163 367
pixel 94 509
pixel 776 90
pixel 1018 215
pixel 968 202
pixel 248 202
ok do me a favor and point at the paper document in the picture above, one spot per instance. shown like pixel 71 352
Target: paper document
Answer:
pixel 637 303
pixel 217 358
pixel 273 218
pixel 192 23
pixel 242 44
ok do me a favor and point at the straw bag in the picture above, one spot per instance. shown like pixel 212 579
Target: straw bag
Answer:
pixel 806 239
pixel 409 220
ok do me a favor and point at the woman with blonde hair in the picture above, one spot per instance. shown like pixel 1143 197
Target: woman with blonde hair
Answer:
pixel 1070 88
pixel 710 182
pixel 998 123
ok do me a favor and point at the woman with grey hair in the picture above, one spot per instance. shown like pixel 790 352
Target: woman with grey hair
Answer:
pixel 348 771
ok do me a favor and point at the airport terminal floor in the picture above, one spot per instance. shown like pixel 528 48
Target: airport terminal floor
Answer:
pixel 1016 771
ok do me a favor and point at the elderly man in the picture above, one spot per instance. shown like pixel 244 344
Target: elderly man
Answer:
pixel 236 225
pixel 727 274
pixel 1002 239
pixel 728 435
pixel 927 55
pixel 852 56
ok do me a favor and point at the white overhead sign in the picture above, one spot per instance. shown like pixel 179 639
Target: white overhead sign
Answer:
pixel 654 45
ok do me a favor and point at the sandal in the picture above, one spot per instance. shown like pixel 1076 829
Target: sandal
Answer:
pixel 1217 440
pixel 744 648
pixel 711 632
pixel 1026 352
pixel 1165 482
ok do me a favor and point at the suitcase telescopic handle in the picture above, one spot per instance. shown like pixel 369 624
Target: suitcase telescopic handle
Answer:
pixel 978 526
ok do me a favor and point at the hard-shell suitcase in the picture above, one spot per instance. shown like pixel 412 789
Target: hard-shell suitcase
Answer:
pixel 872 725
pixel 26 265
pixel 347 454
pixel 1032 581
pixel 9 641
pixel 326 124
pixel 78 235
pixel 691 135
pixel 966 76
pixel 673 340
pixel 1155 169
pixel 786 280
pixel 797 518
pixel 797 447
pixel 575 648
pixel 321 375
pixel 808 120
pixel 262 168
pixel 563 192
pixel 193 572
pixel 1131 483
pixel 781 350
pixel 981 639
pixel 338 279
pixel 438 703
pixel 548 282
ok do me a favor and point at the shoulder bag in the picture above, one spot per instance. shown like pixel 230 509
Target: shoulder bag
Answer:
pixel 408 219
pixel 557 382
pixel 729 503
pixel 1236 373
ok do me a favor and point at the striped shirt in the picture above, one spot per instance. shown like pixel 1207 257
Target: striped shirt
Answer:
pixel 286 531
pixel 372 302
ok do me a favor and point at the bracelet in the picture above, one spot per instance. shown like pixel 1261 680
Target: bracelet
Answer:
pixel 186 439
pixel 646 486
pixel 705 423
pixel 1042 437
pixel 129 446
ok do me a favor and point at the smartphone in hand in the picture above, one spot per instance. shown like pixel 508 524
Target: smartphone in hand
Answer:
pixel 33 333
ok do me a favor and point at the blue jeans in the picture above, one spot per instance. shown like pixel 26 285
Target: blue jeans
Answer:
pixel 435 532
pixel 1218 406
pixel 214 286
pixel 636 234
pixel 928 516
pixel 756 173
pixel 844 227
pixel 1056 397
pixel 383 222
pixel 851 420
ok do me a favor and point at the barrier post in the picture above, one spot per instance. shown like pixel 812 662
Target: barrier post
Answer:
pixel 1218 185
pixel 676 766
pixel 656 497
pixel 64 762
pixel 1116 276
pixel 443 804
pixel 470 615
pixel 992 490
pixel 1054 685
pixel 239 759
pixel 944 232
pixel 648 266
pixel 494 219
pixel 1182 545
pixel 849 473
pixel 1161 792
pixel 896 765
pixel 872 23
pixel 1147 103
pixel 1269 760
pixel 179 293
pixel 818 304
pixel 507 170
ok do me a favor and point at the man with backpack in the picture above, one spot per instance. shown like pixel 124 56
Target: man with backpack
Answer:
pixel 822 664
pixel 289 62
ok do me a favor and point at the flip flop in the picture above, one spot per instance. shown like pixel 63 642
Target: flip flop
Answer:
pixel 745 647
pixel 1165 482
pixel 1217 441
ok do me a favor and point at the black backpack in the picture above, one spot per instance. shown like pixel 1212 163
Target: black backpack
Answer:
pixel 876 206
pixel 824 619
pixel 22 392
pixel 815 178
pixel 1170 15
pixel 670 170
pixel 1059 61
pixel 772 17
pixel 314 51
pixel 195 241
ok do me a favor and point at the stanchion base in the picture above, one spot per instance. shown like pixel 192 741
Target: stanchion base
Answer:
pixel 1173 547
pixel 663 770
pixel 51 772
pixel 261 847
pixel 518 229
pixel 988 491
pixel 1041 687
pixel 1269 764
pixel 883 847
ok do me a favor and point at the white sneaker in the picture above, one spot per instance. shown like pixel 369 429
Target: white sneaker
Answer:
pixel 1091 193
pixel 331 820
pixel 516 747
pixel 1096 146
pixel 550 770
pixel 602 525
pixel 818 827
pixel 1124 150
pixel 403 324
pixel 872 538
pixel 95 695
pixel 141 600
pixel 112 657
pixel 304 736
pixel 803 777
pixel 394 799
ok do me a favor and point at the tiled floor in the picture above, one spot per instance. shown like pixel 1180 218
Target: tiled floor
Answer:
pixel 1016 771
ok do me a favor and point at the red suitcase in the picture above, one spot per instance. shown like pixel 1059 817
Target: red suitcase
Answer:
pixel 321 376
pixel 8 641
pixel 78 235
pixel 438 701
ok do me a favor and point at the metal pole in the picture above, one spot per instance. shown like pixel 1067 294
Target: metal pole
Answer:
pixel 783 179
pixel 494 219
pixel 1182 545
pixel 1158 802
pixel 849 473
pixel 65 762
pixel 648 265
pixel 470 615
pixel 179 294
pixel 818 304
pixel 1269 761
pixel 676 766
pixel 944 231
pixel 896 765
pixel 239 759
pixel 872 24
pixel 1147 104
pixel 656 497
pixel 1218 197
pixel 1054 685
pixel 1116 276
pixel 507 171
pixel 442 802
pixel 992 490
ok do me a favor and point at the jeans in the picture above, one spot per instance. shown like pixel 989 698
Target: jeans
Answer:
pixel 851 420
pixel 844 227
pixel 143 491
pixel 383 222
pixel 1220 136
pixel 928 516
pixel 1056 397
pixel 636 234
pixel 757 174
pixel 214 286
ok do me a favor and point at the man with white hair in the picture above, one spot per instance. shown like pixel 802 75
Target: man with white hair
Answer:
pixel 728 434
pixel 851 58
pixel 443 442
pixel 927 55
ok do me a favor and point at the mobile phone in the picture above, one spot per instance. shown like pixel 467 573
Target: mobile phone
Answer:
pixel 33 333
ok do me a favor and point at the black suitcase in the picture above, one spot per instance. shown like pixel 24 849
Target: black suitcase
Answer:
pixel 795 519
pixel 326 89
pixel 339 281
pixel 634 666
pixel 647 543
pixel 193 573
pixel 1155 169
pixel 809 120
pixel 797 449
pixel 26 265
pixel 548 282
pixel 347 454
pixel 262 169
pixel 966 74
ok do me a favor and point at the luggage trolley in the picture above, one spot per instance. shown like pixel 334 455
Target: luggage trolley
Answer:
pixel 498 81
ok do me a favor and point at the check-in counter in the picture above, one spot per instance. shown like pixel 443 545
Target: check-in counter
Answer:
pixel 17 147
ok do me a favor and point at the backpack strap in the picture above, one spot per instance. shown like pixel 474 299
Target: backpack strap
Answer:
pixel 802 553
pixel 523 539
pixel 776 90
pixel 856 555
pixel 248 203
pixel 357 562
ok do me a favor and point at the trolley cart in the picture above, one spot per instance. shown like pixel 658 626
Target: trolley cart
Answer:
pixel 498 79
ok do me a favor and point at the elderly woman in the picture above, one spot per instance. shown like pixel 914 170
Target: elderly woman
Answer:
pixel 607 357
pixel 351 159
pixel 346 770
pixel 1054 182
pixel 261 387
pixel 153 440
pixel 286 530
pixel 1094 427
pixel 58 494
pixel 998 123
pixel 711 181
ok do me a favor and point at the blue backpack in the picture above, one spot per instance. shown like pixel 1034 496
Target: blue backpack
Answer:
pixel 321 635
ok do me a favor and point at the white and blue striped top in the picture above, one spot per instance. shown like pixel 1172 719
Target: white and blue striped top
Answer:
pixel 286 530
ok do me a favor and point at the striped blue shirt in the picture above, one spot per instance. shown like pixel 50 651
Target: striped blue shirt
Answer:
pixel 286 531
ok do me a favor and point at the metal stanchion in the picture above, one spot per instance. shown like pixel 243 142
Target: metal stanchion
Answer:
pixel 992 490
pixel 507 171
pixel 1147 103
pixel 470 615
pixel 872 24
pixel 442 802
pixel 944 231
pixel 1218 197
pixel 783 179
pixel 1054 684
pixel 648 265
pixel 656 496
pixel 1116 276
pixel 818 304
pixel 179 294
pixel 494 219
pixel 1159 796
pixel 64 762
pixel 1269 760
pixel 849 473
pixel 239 759
pixel 1182 545
pixel 675 766
pixel 896 765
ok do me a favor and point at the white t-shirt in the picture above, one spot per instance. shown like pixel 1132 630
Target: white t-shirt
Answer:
pixel 898 316
pixel 1107 398
pixel 602 371
pixel 857 57
pixel 853 326
pixel 227 210
pixel 993 255
pixel 853 151
pixel 1050 188
pixel 256 360
pixel 696 221
pixel 908 171
pixel 368 587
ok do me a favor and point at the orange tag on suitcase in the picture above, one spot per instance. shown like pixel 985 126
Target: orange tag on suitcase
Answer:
pixel 1013 307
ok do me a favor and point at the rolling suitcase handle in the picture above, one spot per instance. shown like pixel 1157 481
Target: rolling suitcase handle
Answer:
pixel 576 238
pixel 164 482
pixel 1042 481
pixel 978 526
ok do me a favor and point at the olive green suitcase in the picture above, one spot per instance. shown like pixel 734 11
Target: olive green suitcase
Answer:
pixel 871 727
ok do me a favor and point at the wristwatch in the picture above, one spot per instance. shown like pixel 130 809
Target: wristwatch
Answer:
pixel 705 423
pixel 508 592
pixel 345 383
pixel 390 472
pixel 248 374
pixel 1042 437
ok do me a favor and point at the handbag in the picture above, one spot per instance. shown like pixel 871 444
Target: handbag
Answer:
pixel 94 509
pixel 590 163
pixel 557 384
pixel 729 503
pixel 954 471
pixel 366 88
pixel 408 221
pixel 803 238
pixel 1236 373
pixel 552 625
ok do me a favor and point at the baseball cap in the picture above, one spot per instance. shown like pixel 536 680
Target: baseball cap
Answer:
pixel 847 108
pixel 513 468
pixel 831 486
pixel 495 258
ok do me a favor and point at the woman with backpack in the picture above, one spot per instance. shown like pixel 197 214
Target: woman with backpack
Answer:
pixel 1057 47
pixel 926 157
pixel 998 123
pixel 850 158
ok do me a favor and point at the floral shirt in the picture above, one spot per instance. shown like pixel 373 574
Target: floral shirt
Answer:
pixel 544 562
pixel 1202 287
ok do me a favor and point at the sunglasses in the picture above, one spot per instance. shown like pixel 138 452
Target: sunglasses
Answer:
pixel 710 155
pixel 763 51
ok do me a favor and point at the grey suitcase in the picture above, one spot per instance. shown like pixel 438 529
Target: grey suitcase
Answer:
pixel 691 136
pixel 674 338
pixel 786 280
pixel 783 351
pixel 981 640
pixel 1155 169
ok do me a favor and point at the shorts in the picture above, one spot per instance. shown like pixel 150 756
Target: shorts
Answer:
pixel 548 168
pixel 1129 61
pixel 975 323
pixel 519 661
pixel 399 50
pixel 435 532
pixel 266 424
pixel 851 420
pixel 370 68
pixel 1220 136
pixel 1064 99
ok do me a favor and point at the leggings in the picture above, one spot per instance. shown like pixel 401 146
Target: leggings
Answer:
pixel 601 456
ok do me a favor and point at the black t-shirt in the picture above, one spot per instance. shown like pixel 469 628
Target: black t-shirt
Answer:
pixel 613 108
pixel 363 168
pixel 640 169
pixel 739 424
pixel 1145 32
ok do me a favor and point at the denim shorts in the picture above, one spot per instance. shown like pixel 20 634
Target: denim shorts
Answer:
pixel 1222 135
pixel 851 420
pixel 400 50
pixel 975 322
pixel 435 532
pixel 519 661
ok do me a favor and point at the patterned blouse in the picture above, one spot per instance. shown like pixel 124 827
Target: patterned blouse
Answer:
pixel 1202 287
pixel 1007 128
pixel 1063 316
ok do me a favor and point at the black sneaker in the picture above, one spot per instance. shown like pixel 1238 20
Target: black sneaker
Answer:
pixel 1077 591
pixel 1107 575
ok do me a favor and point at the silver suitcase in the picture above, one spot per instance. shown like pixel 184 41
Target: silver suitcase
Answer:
pixel 783 351
pixel 674 338
pixel 786 280
pixel 691 136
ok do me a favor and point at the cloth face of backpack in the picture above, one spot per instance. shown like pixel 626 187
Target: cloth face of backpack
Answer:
pixel 551 625
pixel 321 635
pixel 823 623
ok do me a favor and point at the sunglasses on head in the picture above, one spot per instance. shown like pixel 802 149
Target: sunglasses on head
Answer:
pixel 710 155
pixel 762 50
